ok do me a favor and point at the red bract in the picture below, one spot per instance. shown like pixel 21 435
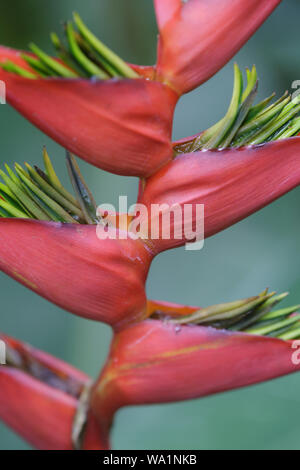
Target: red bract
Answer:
pixel 122 126
pixel 70 266
pixel 232 184
pixel 156 362
pixel 39 399
pixel 198 37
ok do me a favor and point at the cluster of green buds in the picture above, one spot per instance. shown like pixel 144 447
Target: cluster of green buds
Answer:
pixel 248 124
pixel 81 55
pixel 38 194
pixel 254 315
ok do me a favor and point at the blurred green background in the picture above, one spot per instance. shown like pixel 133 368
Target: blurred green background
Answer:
pixel 258 252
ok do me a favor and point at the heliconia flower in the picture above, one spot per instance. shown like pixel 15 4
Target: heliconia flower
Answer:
pixel 120 125
pixel 68 264
pixel 157 362
pixel 55 243
pixel 115 115
pixel 39 398
pixel 231 183
pixel 198 37
pixel 239 165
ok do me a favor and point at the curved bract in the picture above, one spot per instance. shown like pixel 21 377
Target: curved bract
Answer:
pixel 231 183
pixel 198 37
pixel 39 396
pixel 156 362
pixel 120 125
pixel 69 265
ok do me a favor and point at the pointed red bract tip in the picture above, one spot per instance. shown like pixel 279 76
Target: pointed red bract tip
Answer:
pixel 39 398
pixel 69 265
pixel 122 126
pixel 168 308
pixel 157 362
pixel 231 184
pixel 198 37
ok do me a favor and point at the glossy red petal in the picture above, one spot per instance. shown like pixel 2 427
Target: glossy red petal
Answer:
pixel 232 184
pixel 155 362
pixel 70 266
pixel 198 37
pixel 39 399
pixel 122 126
